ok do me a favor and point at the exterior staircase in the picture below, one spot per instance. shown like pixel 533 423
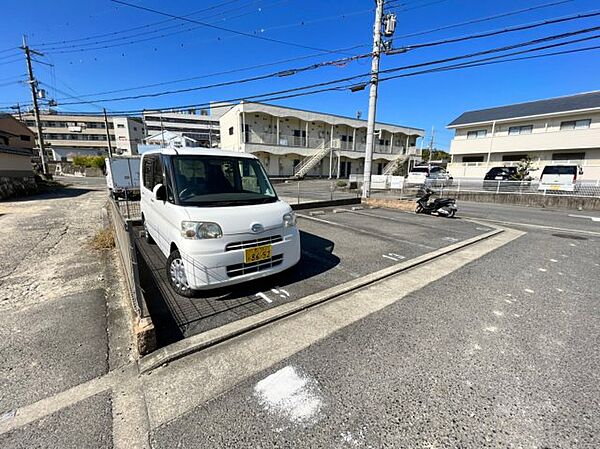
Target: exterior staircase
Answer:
pixel 309 162
pixel 391 166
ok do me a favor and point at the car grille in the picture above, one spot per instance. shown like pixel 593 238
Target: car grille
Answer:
pixel 253 243
pixel 245 268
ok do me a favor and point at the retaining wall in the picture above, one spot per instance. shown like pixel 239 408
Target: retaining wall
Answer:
pixel 532 200
pixel 17 186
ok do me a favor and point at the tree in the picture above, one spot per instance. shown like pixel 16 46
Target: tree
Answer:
pixel 523 168
pixel 435 155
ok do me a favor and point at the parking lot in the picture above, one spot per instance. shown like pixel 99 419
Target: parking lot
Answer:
pixel 338 245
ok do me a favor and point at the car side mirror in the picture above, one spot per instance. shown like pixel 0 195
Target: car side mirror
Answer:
pixel 160 192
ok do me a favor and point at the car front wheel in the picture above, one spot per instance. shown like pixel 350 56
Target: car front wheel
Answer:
pixel 176 275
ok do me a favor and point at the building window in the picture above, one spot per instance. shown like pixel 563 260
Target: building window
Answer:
pixel 231 131
pixel 120 125
pixel 478 134
pixel 568 156
pixel 513 157
pixel 472 159
pixel 25 138
pixel 575 124
pixel 515 130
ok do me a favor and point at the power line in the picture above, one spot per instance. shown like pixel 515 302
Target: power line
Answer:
pixel 225 72
pixel 503 31
pixel 396 69
pixel 270 97
pixel 485 19
pixel 220 28
pixel 96 45
pixel 128 30
pixel 311 67
pixel 234 82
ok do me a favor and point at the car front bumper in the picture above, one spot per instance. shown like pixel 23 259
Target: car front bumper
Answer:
pixel 219 265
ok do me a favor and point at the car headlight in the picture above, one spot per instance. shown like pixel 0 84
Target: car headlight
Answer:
pixel 195 230
pixel 289 220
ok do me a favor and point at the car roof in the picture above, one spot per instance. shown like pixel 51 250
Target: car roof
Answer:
pixel 170 151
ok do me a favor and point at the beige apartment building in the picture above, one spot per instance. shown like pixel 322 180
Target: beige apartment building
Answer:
pixel 294 142
pixel 563 130
pixel 68 135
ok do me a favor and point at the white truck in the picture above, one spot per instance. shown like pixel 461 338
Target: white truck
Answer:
pixel 123 177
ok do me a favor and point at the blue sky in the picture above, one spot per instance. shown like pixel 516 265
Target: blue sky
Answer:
pixel 421 101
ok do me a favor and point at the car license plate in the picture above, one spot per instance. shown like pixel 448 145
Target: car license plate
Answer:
pixel 499 177
pixel 554 187
pixel 257 254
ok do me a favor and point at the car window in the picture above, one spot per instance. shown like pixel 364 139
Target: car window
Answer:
pixel 560 170
pixel 148 173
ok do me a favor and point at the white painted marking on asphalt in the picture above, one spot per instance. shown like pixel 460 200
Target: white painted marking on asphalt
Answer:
pixel 509 295
pixel 560 273
pixel 530 225
pixel 389 257
pixel 498 313
pixel 450 239
pixel 274 290
pixel 285 292
pixel 287 393
pixel 543 270
pixel 560 290
pixel 397 256
pixel 491 329
pixel 482 229
pixel 508 301
pixel 265 297
pixel 572 244
pixel 516 315
pixel 585 216
pixel 553 260
pixel 528 290
pixel 564 255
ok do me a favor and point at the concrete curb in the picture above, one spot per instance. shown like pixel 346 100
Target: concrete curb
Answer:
pixel 212 337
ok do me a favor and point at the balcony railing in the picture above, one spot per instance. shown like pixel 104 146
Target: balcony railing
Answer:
pixel 315 142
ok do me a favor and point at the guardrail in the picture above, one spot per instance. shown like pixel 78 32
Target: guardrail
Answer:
pixel 122 222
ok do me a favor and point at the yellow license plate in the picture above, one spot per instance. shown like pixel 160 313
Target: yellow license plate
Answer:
pixel 554 187
pixel 257 254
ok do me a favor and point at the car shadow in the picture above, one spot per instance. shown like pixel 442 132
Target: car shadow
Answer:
pixel 176 317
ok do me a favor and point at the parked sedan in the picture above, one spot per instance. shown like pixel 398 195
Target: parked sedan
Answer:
pixel 503 179
pixel 429 175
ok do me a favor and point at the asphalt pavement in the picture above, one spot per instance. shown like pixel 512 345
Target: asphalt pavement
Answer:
pixel 338 246
pixel 500 353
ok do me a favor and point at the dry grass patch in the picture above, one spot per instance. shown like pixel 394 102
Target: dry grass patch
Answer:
pixel 104 240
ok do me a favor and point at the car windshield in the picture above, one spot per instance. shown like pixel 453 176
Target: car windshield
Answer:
pixel 560 170
pixel 420 170
pixel 221 181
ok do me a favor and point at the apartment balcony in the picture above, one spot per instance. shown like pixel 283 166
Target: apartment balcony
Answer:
pixel 536 141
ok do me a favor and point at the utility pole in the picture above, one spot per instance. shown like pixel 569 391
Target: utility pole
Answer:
pixel 36 109
pixel 110 152
pixel 366 190
pixel 431 143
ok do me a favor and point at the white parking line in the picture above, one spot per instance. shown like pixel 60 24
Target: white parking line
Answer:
pixel 389 257
pixel 265 297
pixel 585 216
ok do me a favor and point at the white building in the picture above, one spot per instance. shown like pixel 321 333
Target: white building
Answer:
pixel 304 143
pixel 563 130
pixel 201 125
pixel 68 135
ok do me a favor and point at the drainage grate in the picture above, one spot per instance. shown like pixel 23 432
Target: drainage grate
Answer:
pixel 570 236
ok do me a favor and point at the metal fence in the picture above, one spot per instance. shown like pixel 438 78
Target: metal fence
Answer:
pixel 313 190
pixel 124 241
pixel 579 189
